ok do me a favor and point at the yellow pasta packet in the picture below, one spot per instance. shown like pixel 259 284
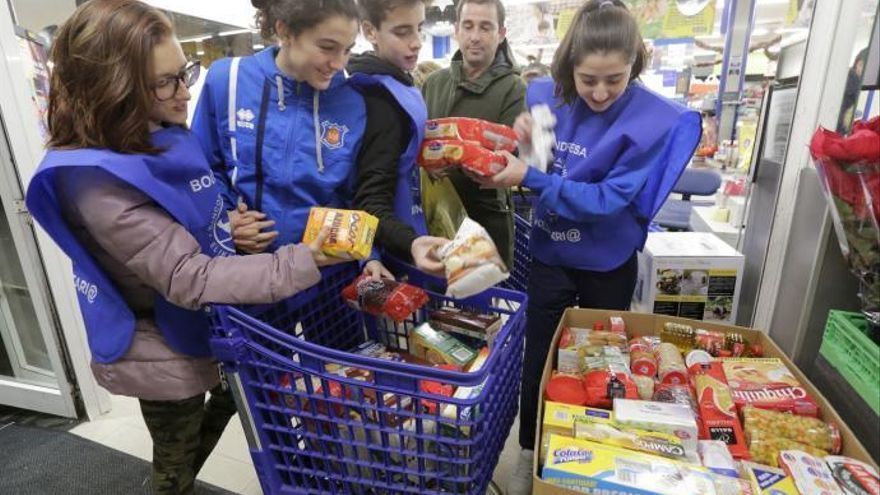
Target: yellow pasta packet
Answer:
pixel 351 232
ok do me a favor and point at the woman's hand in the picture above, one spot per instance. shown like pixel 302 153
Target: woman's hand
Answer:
pixel 320 258
pixel 376 270
pixel 523 129
pixel 512 175
pixel 248 230
pixel 425 255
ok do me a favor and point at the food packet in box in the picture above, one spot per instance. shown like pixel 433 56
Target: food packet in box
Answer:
pixel 854 477
pixel 761 423
pixel 765 448
pixel 559 419
pixel 608 432
pixel 768 480
pixel 718 417
pixel 675 419
pixel 383 297
pixel 767 383
pixel 472 262
pixel 715 456
pixel 351 232
pixel 576 464
pixel 810 474
pixel 436 157
pixel 603 386
pixel 487 134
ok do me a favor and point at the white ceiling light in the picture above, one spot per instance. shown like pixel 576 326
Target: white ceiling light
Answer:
pixel 235 31
pixel 760 31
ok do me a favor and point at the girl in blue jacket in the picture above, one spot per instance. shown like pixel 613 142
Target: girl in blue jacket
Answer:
pixel 282 128
pixel 620 148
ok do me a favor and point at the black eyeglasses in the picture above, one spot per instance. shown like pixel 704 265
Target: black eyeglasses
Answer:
pixel 167 87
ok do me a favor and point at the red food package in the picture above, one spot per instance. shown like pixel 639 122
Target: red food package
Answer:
pixel 487 134
pixel 384 297
pixel 438 155
pixel 769 384
pixel 603 386
pixel 719 420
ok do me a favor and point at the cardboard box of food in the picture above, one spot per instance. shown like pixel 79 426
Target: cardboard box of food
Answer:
pixel 690 275
pixel 638 324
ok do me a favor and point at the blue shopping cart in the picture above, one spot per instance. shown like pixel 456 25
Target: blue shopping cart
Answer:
pixel 523 202
pixel 313 431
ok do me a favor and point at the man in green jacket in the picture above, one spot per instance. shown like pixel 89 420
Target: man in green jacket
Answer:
pixel 482 82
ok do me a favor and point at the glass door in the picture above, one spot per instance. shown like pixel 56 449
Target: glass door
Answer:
pixel 33 375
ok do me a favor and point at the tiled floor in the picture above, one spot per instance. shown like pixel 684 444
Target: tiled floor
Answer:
pixel 230 465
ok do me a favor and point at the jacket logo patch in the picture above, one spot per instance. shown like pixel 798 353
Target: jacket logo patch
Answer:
pixel 244 118
pixel 333 134
pixel 221 229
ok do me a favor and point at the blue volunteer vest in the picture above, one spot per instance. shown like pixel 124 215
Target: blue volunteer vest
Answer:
pixel 639 126
pixel 180 181
pixel 408 192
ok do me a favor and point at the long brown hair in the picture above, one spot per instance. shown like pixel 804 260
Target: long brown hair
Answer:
pixel 299 15
pixel 100 92
pixel 599 26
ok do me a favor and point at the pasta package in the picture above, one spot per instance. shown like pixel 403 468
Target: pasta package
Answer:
pixel 767 383
pixel 765 449
pixel 760 423
pixel 351 232
pixel 717 410
pixel 395 300
pixel 437 156
pixel 472 261
pixel 487 134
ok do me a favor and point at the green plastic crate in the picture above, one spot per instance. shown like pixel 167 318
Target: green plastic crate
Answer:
pixel 847 346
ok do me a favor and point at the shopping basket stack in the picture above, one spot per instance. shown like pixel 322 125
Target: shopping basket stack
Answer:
pixel 312 431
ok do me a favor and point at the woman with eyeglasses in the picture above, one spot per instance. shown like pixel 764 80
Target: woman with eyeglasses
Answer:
pixel 126 192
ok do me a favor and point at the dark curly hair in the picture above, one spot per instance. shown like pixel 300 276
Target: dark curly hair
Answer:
pixel 299 15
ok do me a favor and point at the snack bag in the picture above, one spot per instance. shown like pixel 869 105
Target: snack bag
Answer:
pixel 472 261
pixel 854 477
pixel 351 232
pixel 384 297
pixel 765 449
pixel 717 411
pixel 810 474
pixel 767 383
pixel 487 134
pixel 761 423
pixel 437 156
pixel 670 365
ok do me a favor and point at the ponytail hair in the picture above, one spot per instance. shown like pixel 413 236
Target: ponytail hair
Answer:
pixel 299 15
pixel 599 26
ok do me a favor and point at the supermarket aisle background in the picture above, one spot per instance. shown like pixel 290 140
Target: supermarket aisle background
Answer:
pixel 230 465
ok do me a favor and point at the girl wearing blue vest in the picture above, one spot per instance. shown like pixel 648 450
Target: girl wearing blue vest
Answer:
pixel 282 128
pixel 126 192
pixel 388 178
pixel 620 149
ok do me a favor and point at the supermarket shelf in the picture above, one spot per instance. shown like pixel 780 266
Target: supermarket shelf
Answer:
pixel 851 407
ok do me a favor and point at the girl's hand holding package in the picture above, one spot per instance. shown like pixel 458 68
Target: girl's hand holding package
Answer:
pixel 512 175
pixel 318 255
pixel 425 255
pixel 376 271
pixel 247 228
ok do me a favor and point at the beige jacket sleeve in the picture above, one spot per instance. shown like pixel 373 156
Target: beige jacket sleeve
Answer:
pixel 138 234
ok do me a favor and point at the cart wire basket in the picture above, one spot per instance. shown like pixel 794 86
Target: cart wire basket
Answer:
pixel 523 203
pixel 376 428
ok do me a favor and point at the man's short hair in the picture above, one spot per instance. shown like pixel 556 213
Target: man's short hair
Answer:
pixel 499 8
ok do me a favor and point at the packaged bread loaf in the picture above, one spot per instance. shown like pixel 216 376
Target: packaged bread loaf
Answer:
pixel 472 261
pixel 351 232
pixel 437 156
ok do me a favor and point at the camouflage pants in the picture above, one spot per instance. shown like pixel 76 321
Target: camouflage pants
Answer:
pixel 184 433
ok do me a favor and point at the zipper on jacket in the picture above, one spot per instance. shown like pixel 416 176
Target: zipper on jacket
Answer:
pixel 258 154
